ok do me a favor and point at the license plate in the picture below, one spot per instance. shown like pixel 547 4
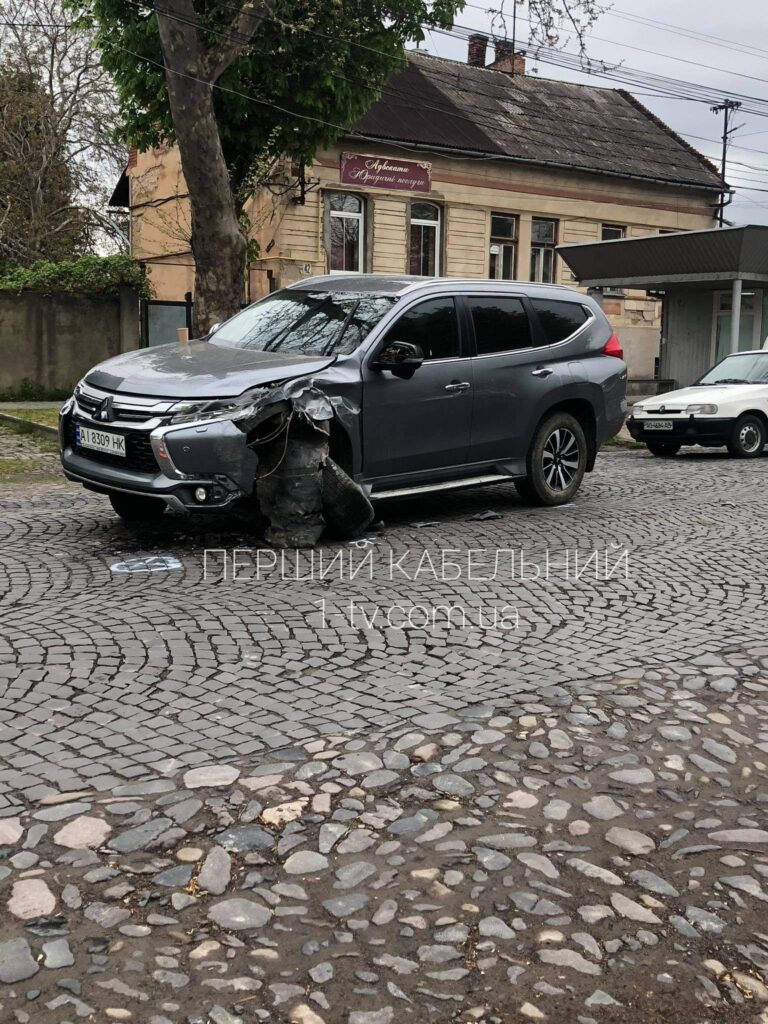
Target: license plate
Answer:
pixel 659 425
pixel 100 440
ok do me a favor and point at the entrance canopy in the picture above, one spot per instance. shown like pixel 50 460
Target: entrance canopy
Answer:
pixel 684 258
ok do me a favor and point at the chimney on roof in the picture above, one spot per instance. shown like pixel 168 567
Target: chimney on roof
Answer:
pixel 508 58
pixel 478 44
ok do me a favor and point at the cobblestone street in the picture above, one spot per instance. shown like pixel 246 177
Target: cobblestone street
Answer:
pixel 226 798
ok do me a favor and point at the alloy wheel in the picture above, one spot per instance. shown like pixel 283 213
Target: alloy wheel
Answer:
pixel 561 459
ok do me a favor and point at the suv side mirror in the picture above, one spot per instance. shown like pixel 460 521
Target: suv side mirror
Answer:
pixel 401 358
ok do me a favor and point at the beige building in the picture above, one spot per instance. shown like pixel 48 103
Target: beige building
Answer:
pixel 458 169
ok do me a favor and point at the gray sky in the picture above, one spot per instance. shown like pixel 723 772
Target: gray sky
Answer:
pixel 740 48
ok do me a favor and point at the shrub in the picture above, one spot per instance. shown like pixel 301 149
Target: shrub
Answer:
pixel 30 391
pixel 91 275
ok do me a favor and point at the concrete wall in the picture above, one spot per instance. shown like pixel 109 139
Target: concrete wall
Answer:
pixel 54 340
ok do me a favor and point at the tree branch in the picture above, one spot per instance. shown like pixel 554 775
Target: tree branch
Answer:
pixel 236 38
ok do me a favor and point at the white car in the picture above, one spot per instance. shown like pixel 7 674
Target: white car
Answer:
pixel 727 406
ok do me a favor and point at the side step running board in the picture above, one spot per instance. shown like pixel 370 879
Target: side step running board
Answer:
pixel 448 485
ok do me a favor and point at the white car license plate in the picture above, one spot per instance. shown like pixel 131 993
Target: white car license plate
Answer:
pixel 100 440
pixel 659 425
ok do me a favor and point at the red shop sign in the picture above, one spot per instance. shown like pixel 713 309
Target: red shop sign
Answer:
pixel 385 172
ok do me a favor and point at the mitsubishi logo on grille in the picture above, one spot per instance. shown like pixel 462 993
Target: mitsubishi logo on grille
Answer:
pixel 103 410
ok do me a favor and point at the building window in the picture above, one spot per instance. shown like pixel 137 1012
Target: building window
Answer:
pixel 610 232
pixel 543 241
pixel 346 233
pixel 503 246
pixel 424 248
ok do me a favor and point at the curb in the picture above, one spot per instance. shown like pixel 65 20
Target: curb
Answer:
pixel 37 428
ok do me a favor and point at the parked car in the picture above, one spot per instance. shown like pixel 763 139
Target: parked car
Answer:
pixel 435 384
pixel 727 406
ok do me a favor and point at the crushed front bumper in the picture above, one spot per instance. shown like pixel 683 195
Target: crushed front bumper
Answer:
pixel 708 431
pixel 166 462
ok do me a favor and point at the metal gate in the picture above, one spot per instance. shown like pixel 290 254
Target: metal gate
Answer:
pixel 160 320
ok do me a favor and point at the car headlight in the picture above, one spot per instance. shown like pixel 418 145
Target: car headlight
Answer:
pixel 701 410
pixel 217 409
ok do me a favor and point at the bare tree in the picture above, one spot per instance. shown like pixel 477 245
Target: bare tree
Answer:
pixel 548 19
pixel 76 109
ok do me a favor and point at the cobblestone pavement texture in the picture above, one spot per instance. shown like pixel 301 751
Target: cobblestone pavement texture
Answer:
pixel 26 458
pixel 216 807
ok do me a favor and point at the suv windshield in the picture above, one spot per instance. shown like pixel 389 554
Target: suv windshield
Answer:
pixel 305 323
pixel 747 368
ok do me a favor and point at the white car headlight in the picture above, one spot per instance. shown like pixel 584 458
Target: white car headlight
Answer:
pixel 701 410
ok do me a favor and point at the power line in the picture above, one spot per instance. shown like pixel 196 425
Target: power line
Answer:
pixel 639 136
pixel 640 49
pixel 704 37
pixel 668 87
pixel 452 112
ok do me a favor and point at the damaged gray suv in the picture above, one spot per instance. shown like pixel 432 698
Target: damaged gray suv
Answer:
pixel 420 383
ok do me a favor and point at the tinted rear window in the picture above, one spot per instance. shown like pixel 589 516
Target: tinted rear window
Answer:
pixel 501 324
pixel 559 320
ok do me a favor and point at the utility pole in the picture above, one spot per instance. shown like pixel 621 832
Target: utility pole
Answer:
pixel 514 34
pixel 728 108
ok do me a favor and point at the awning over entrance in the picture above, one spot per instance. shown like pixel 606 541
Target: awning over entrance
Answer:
pixel 686 257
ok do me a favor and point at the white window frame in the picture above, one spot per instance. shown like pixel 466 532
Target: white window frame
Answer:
pixel 613 227
pixel 436 225
pixel 537 251
pixel 349 215
pixel 502 243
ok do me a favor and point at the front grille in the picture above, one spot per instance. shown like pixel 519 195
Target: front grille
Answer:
pixel 139 455
pixel 121 409
pixel 86 403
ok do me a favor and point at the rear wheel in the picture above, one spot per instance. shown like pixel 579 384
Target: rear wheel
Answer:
pixel 747 438
pixel 134 508
pixel 663 449
pixel 556 461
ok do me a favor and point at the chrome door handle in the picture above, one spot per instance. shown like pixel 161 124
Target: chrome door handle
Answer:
pixel 458 385
pixel 542 371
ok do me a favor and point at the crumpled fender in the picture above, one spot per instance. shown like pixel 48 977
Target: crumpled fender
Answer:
pixel 298 487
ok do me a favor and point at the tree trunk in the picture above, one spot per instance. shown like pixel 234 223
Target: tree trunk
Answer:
pixel 218 244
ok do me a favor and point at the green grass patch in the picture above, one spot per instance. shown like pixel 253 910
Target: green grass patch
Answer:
pixel 15 470
pixel 49 417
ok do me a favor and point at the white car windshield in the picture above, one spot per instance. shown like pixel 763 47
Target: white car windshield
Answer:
pixel 744 368
pixel 304 323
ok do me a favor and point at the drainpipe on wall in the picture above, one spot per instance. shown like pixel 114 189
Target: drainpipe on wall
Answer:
pixel 735 314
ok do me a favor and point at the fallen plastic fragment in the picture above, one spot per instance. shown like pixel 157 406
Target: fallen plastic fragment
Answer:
pixel 153 563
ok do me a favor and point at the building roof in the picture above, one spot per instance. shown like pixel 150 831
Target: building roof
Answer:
pixel 683 258
pixel 442 104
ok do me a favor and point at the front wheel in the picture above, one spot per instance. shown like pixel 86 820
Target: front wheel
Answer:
pixel 663 449
pixel 134 508
pixel 747 438
pixel 556 461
